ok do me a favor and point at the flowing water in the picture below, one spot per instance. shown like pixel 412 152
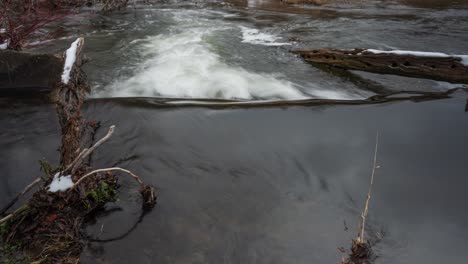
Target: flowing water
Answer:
pixel 219 51
pixel 270 184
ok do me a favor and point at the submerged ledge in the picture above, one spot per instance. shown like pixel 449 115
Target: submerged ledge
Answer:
pixel 414 96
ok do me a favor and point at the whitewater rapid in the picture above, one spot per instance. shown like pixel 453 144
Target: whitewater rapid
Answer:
pixel 181 63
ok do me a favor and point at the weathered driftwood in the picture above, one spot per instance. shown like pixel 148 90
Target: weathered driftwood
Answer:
pixel 449 69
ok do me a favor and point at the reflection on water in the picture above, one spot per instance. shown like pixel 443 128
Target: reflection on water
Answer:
pixel 267 185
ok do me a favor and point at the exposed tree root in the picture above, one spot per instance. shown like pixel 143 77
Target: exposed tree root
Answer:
pixel 361 253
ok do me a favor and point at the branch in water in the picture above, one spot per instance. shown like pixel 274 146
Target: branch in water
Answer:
pixel 147 192
pixel 106 170
pixel 26 190
pixel 360 238
pixel 86 152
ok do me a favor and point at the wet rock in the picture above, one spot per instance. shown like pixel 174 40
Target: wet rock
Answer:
pixel 312 2
pixel 294 39
pixel 20 71
pixel 443 67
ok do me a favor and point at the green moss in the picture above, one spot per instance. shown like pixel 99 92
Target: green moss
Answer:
pixel 103 194
pixel 10 253
pixel 46 168
pixel 4 229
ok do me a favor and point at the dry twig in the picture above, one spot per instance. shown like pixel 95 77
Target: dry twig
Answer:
pixel 106 170
pixel 360 238
pixel 11 215
pixel 27 189
pixel 86 152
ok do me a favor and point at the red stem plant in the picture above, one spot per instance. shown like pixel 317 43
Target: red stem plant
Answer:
pixel 20 26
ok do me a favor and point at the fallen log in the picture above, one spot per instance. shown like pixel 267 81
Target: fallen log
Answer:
pixel 68 97
pixel 435 66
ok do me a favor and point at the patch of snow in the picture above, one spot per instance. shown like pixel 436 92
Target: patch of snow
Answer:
pixel 70 59
pixel 4 45
pixel 254 36
pixel 60 183
pixel 408 52
pixel 464 58
pixel 2 31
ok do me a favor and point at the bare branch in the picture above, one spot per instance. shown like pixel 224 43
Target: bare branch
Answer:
pixel 360 238
pixel 86 152
pixel 105 170
pixel 78 158
pixel 17 211
pixel 25 190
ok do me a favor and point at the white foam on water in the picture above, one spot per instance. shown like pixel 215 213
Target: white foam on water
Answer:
pixel 182 64
pixel 254 36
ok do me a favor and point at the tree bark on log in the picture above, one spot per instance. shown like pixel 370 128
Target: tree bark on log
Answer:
pixel 448 69
pixel 68 99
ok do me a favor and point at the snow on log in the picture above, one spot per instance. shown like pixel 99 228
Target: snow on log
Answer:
pixel 68 96
pixel 4 45
pixel 70 59
pixel 429 65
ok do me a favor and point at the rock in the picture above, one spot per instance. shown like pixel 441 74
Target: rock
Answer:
pixel 26 71
pixel 311 2
pixel 440 68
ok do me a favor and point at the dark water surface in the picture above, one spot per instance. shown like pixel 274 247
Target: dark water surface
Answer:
pixel 266 185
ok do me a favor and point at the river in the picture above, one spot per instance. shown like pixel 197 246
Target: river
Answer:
pixel 268 184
